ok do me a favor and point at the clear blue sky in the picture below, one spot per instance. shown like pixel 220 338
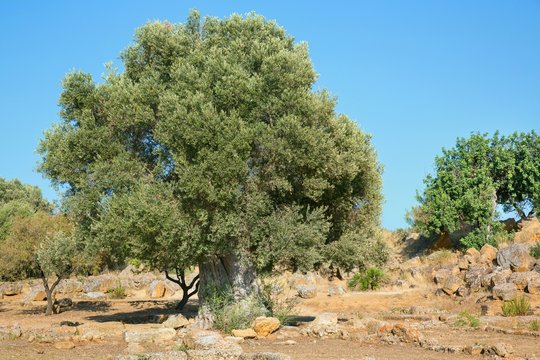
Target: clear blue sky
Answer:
pixel 414 74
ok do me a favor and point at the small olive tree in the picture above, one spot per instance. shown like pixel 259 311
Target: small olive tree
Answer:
pixel 42 246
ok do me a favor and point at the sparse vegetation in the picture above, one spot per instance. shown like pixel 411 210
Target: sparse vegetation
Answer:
pixel 467 319
pixel 279 305
pixel 520 306
pixel 369 279
pixel 118 292
pixel 535 251
pixel 535 325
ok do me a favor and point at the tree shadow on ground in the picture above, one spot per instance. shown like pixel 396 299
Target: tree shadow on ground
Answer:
pixel 147 315
pixel 97 306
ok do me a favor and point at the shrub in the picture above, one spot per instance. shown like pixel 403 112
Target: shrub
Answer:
pixel 517 307
pixel 467 319
pixel 230 314
pixel 535 325
pixel 367 280
pixel 118 292
pixel 279 306
pixel 535 251
pixel 494 234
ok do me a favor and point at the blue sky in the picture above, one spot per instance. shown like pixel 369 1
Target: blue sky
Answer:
pixel 414 74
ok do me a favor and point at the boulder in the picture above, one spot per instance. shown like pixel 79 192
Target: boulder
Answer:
pixel 325 324
pixel 306 291
pixel 211 344
pixel 134 348
pixel 488 252
pixel 244 333
pixel 157 289
pixel 100 283
pixel 264 326
pixel 505 292
pixel 11 288
pixel 264 356
pixel 37 293
pixel 499 277
pixel 441 275
pixel 474 276
pixel 451 284
pixel 176 321
pixel 472 252
pixel 96 295
pixel 522 279
pixel 70 286
pixel 529 233
pixel 64 345
pixel 150 335
pixel 516 257
pixel 533 286
pixel 406 334
pixel 336 291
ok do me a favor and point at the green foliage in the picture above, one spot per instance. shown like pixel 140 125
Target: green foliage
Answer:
pixel 517 307
pixel 535 325
pixel 28 239
pixel 212 140
pixel 535 251
pixel 369 279
pixel 492 234
pixel 18 200
pixel 467 319
pixel 230 314
pixel 475 176
pixel 278 304
pixel 118 292
pixel 57 255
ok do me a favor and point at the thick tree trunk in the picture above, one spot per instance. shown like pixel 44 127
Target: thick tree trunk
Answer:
pixel 228 273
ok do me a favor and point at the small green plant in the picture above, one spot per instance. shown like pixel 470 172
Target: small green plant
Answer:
pixel 467 319
pixel 279 305
pixel 367 280
pixel 518 307
pixel 143 357
pixel 118 292
pixel 230 314
pixel 535 325
pixel 182 348
pixel 535 251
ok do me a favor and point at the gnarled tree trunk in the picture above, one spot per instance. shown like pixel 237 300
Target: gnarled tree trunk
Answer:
pixel 227 273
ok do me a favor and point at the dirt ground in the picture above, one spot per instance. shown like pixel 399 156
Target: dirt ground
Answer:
pixel 108 320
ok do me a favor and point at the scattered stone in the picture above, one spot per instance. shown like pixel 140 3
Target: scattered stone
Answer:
pixel 157 289
pixel 474 276
pixel 64 345
pixel 244 333
pixel 171 355
pixel 406 334
pixel 462 291
pixel 11 288
pixel 336 291
pixel 150 335
pixel 516 257
pixel 95 295
pixel 500 349
pixel 489 252
pixel 264 326
pixel 234 339
pixel 522 279
pixel 325 324
pixel 134 348
pixel 264 356
pixel 306 291
pixel 451 284
pixel 472 252
pixel 505 292
pixel 70 286
pixel 176 321
pixel 533 286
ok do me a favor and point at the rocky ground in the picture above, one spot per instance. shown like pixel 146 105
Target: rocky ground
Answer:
pixel 438 306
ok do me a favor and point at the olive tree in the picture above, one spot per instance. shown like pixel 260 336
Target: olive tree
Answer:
pixel 473 179
pixel 212 149
pixel 42 246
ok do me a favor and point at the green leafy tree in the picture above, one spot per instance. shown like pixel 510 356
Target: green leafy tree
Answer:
pixel 210 142
pixel 42 246
pixel 18 199
pixel 473 178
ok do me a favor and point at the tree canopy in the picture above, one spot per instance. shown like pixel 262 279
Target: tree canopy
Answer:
pixel 475 177
pixel 211 141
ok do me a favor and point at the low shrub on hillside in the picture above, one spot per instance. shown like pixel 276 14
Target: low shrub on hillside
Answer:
pixel 467 319
pixel 369 279
pixel 535 251
pixel 517 307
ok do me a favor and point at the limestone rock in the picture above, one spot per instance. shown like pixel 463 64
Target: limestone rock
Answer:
pixel 157 289
pixel 203 340
pixel 406 334
pixel 150 335
pixel 264 326
pixel 134 348
pixel 11 288
pixel 505 292
pixel 70 286
pixel 307 291
pixel 489 252
pixel 170 355
pixel 176 321
pixel 472 252
pixel 522 279
pixel 451 284
pixel 533 286
pixel 474 276
pixel 96 295
pixel 244 333
pixel 516 257
pixel 264 356
pixel 336 291
pixel 325 324
pixel 529 233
